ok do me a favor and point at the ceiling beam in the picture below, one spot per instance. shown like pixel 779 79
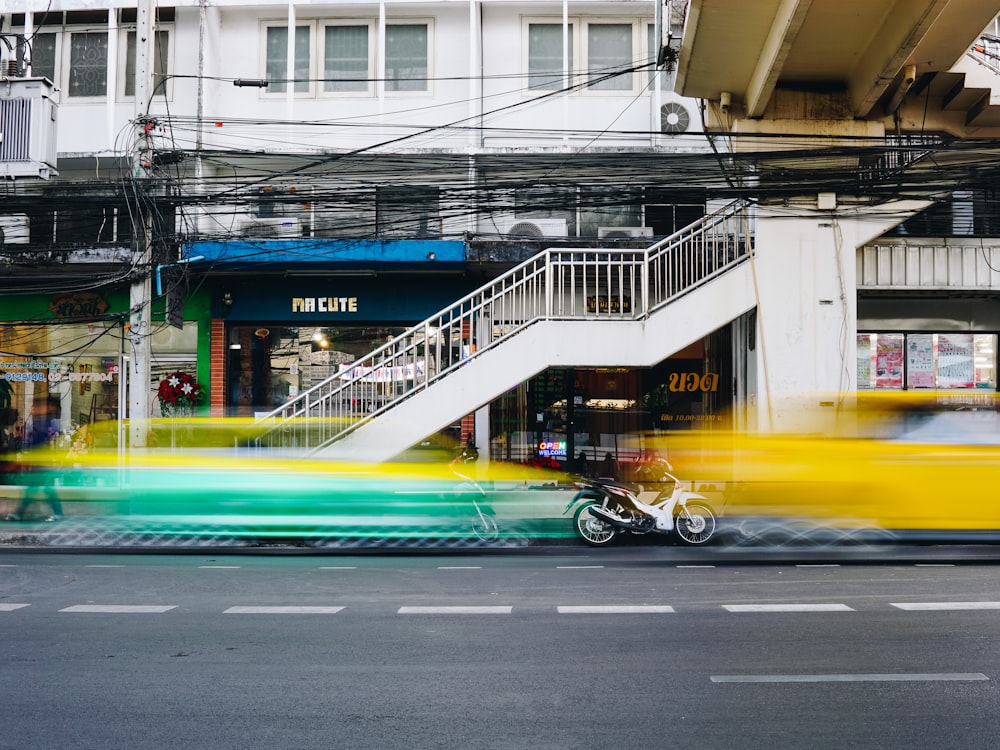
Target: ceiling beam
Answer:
pixel 788 20
pixel 899 34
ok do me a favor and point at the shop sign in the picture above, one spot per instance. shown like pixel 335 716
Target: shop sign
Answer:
pixel 324 304
pixel 692 382
pixel 552 448
pixel 78 305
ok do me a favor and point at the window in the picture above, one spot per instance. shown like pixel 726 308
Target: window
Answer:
pixel 276 65
pixel 88 64
pixel 411 212
pixel 545 56
pixel 406 57
pixel 160 55
pixel 609 49
pixel 894 361
pixel 346 59
pixel 43 56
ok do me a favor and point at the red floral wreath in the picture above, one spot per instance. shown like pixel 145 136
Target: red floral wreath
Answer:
pixel 179 389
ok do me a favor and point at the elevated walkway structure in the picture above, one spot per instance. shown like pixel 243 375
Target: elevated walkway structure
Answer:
pixel 569 307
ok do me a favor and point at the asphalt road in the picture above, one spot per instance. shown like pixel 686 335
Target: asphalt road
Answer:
pixel 547 649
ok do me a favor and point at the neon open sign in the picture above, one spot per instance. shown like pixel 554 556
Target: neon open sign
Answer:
pixel 552 448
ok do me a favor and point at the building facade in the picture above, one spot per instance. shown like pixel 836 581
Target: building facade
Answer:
pixel 317 178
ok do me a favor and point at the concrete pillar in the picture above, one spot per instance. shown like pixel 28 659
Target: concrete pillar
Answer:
pixel 805 273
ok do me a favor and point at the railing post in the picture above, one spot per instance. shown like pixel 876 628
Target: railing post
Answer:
pixel 548 285
pixel 644 284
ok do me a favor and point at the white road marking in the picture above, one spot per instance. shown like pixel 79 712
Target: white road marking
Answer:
pixel 695 566
pixel 931 677
pixel 787 608
pixel 460 567
pixel 104 566
pixel 935 565
pixel 220 567
pixel 577 567
pixel 942 606
pixel 121 608
pixel 817 565
pixel 614 609
pixel 282 610
pixel 10 607
pixel 454 610
pixel 338 567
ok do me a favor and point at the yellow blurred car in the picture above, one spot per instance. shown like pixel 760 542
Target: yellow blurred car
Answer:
pixel 913 465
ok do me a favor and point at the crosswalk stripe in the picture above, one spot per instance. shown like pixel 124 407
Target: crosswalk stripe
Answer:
pixel 10 607
pixel 282 610
pixel 615 609
pixel 121 608
pixel 494 610
pixel 787 608
pixel 942 606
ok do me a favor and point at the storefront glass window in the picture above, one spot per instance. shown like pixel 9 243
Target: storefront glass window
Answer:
pixel 55 378
pixel 896 361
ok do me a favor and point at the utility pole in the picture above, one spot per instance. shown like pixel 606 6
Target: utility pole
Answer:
pixel 140 293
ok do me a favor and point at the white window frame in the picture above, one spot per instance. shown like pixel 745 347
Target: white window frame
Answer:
pixel 282 23
pixel 166 90
pixel 406 21
pixel 574 60
pixel 64 60
pixel 371 26
pixel 638 43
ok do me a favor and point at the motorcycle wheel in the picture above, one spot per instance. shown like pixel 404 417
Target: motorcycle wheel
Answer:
pixel 485 528
pixel 594 531
pixel 695 524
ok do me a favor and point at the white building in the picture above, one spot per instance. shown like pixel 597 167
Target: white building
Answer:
pixel 457 122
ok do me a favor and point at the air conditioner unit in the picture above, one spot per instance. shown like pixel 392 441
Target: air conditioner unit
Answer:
pixel 624 232
pixel 272 228
pixel 513 228
pixel 674 118
pixel 14 230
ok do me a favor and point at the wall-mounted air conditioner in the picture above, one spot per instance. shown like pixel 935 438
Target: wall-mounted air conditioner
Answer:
pixel 28 128
pixel 14 230
pixel 513 228
pixel 674 118
pixel 272 228
pixel 624 232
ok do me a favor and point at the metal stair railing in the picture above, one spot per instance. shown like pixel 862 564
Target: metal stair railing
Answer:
pixel 565 283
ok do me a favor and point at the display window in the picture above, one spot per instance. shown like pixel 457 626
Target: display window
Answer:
pixel 909 361
pixel 270 364
pixel 57 378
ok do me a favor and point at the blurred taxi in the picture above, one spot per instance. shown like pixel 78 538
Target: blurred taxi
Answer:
pixel 922 465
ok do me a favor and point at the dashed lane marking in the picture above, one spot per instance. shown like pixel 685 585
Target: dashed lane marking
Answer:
pixel 944 606
pixel 121 608
pixel 930 677
pixel 787 608
pixel 10 606
pixel 615 609
pixel 493 610
pixel 219 567
pixel 578 567
pixel 460 567
pixel 338 567
pixel 282 610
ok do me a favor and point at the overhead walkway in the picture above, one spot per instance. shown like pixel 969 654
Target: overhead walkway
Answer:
pixel 568 307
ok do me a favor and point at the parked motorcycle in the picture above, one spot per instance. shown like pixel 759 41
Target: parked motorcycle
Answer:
pixel 660 503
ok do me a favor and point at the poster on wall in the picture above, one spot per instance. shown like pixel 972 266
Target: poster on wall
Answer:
pixel 920 361
pixel 889 362
pixel 956 361
pixel 864 360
